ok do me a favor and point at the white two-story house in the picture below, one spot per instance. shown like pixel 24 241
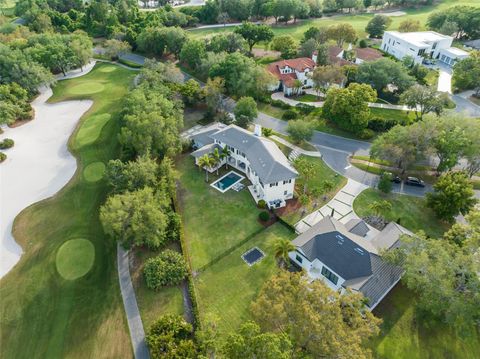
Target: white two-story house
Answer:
pixel 342 257
pixel 422 44
pixel 271 175
pixel 288 72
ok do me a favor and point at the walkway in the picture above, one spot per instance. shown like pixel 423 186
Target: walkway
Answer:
pixel 341 206
pixel 297 149
pixel 135 325
pixel 39 164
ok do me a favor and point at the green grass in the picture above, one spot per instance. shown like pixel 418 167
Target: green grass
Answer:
pixel 130 63
pixel 322 173
pixel 75 258
pixel 359 22
pixel 373 160
pixel 152 304
pixel 226 289
pixel 370 169
pixel 413 212
pixel 407 334
pixel 303 145
pixel 90 132
pixel 213 221
pixel 42 314
pixel 402 117
pixel 270 110
pixel 191 117
pixel 307 98
pixel 94 171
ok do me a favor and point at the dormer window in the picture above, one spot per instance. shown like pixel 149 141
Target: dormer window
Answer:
pixel 329 275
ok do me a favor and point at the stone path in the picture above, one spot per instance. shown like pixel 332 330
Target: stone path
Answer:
pixel 135 325
pixel 341 206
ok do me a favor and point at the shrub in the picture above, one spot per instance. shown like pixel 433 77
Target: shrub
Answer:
pixel 304 109
pixel 366 134
pixel 300 130
pixel 6 143
pixel 3 157
pixel 379 124
pixel 281 104
pixel 267 132
pixel 168 268
pixel 385 183
pixel 290 115
pixel 264 216
pixel 363 43
pixel 262 204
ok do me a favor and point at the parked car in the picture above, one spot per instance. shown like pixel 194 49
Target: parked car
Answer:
pixel 414 181
pixel 392 177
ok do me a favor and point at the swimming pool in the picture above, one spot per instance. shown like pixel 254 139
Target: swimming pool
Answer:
pixel 223 184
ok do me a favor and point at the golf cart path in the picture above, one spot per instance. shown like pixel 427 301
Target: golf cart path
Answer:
pixel 39 164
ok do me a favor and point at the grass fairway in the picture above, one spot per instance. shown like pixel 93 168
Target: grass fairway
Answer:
pixel 226 289
pixel 412 211
pixel 213 221
pixel 75 258
pixel 42 314
pixel 94 171
pixel 407 334
pixel 359 22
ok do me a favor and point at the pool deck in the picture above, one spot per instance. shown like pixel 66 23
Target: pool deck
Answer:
pixel 241 177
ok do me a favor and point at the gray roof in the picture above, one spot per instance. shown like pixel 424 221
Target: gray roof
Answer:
pixel 204 138
pixel 266 159
pixel 207 149
pixel 389 236
pixel 473 43
pixel 357 226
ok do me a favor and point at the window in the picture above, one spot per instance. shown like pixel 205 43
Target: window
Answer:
pixel 305 82
pixel 329 275
pixel 287 181
pixel 421 52
pixel 434 46
pixel 285 193
pixel 298 258
pixel 274 184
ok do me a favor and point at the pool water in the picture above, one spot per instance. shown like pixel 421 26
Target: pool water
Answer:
pixel 227 181
pixel 253 256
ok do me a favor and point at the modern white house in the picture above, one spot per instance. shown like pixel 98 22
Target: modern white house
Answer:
pixel 271 175
pixel 288 72
pixel 344 258
pixel 421 45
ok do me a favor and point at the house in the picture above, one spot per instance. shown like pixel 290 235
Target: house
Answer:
pixel 288 72
pixel 420 45
pixel 336 55
pixel 343 256
pixel 271 175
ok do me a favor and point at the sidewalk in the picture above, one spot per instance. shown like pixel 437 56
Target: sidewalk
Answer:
pixel 296 148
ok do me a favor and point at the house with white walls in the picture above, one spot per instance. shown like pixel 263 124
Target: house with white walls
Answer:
pixel 271 176
pixel 344 257
pixel 421 45
pixel 291 73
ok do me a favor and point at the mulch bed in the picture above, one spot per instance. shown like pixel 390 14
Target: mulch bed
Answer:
pixel 272 220
pixel 293 205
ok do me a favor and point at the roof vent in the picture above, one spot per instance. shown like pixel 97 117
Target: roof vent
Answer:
pixel 359 251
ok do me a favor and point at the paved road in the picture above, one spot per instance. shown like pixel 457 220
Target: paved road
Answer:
pixel 137 334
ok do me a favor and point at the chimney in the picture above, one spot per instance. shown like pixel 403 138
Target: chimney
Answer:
pixel 258 130
pixel 315 56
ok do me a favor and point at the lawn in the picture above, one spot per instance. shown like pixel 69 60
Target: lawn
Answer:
pixel 322 173
pixel 270 110
pixel 407 334
pixel 151 304
pixel 412 212
pixel 307 98
pixel 357 21
pixel 402 117
pixel 44 315
pixel 226 289
pixel 213 221
pixel 192 117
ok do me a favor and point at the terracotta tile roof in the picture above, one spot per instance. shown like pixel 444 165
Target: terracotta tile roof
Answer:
pixel 333 53
pixel 288 79
pixel 299 64
pixel 368 54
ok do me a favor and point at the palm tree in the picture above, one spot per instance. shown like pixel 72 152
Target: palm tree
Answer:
pixel 307 171
pixel 378 207
pixel 225 154
pixel 282 247
pixel 206 162
pixel 217 158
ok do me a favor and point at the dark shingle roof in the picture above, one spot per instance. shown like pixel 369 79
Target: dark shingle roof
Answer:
pixel 357 226
pixel 203 138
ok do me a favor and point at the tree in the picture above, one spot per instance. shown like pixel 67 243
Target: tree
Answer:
pixel 385 183
pixel 286 44
pixel 175 38
pixel 319 321
pixel 14 103
pixel 423 99
pixel 348 107
pixel 379 207
pixel 466 73
pixel 300 130
pixel 281 248
pixel 319 34
pixel 227 42
pixel 166 269
pixel 217 158
pixel 115 48
pixel 342 33
pixel 250 342
pixel 444 277
pixel 254 34
pixel 453 194
pixel 307 171
pixel 307 48
pixel 171 337
pixel 383 72
pixel 132 175
pixel 466 18
pixel 325 76
pixel 448 144
pixel 206 162
pixel 323 57
pixel 409 25
pixel 213 91
pixel 152 40
pixel 465 234
pixel 245 111
pixel 377 25
pixel 192 53
pixel 135 219
pixel 191 92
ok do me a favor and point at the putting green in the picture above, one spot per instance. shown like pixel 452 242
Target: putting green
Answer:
pixel 87 88
pixel 107 69
pixel 94 171
pixel 91 129
pixel 75 258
